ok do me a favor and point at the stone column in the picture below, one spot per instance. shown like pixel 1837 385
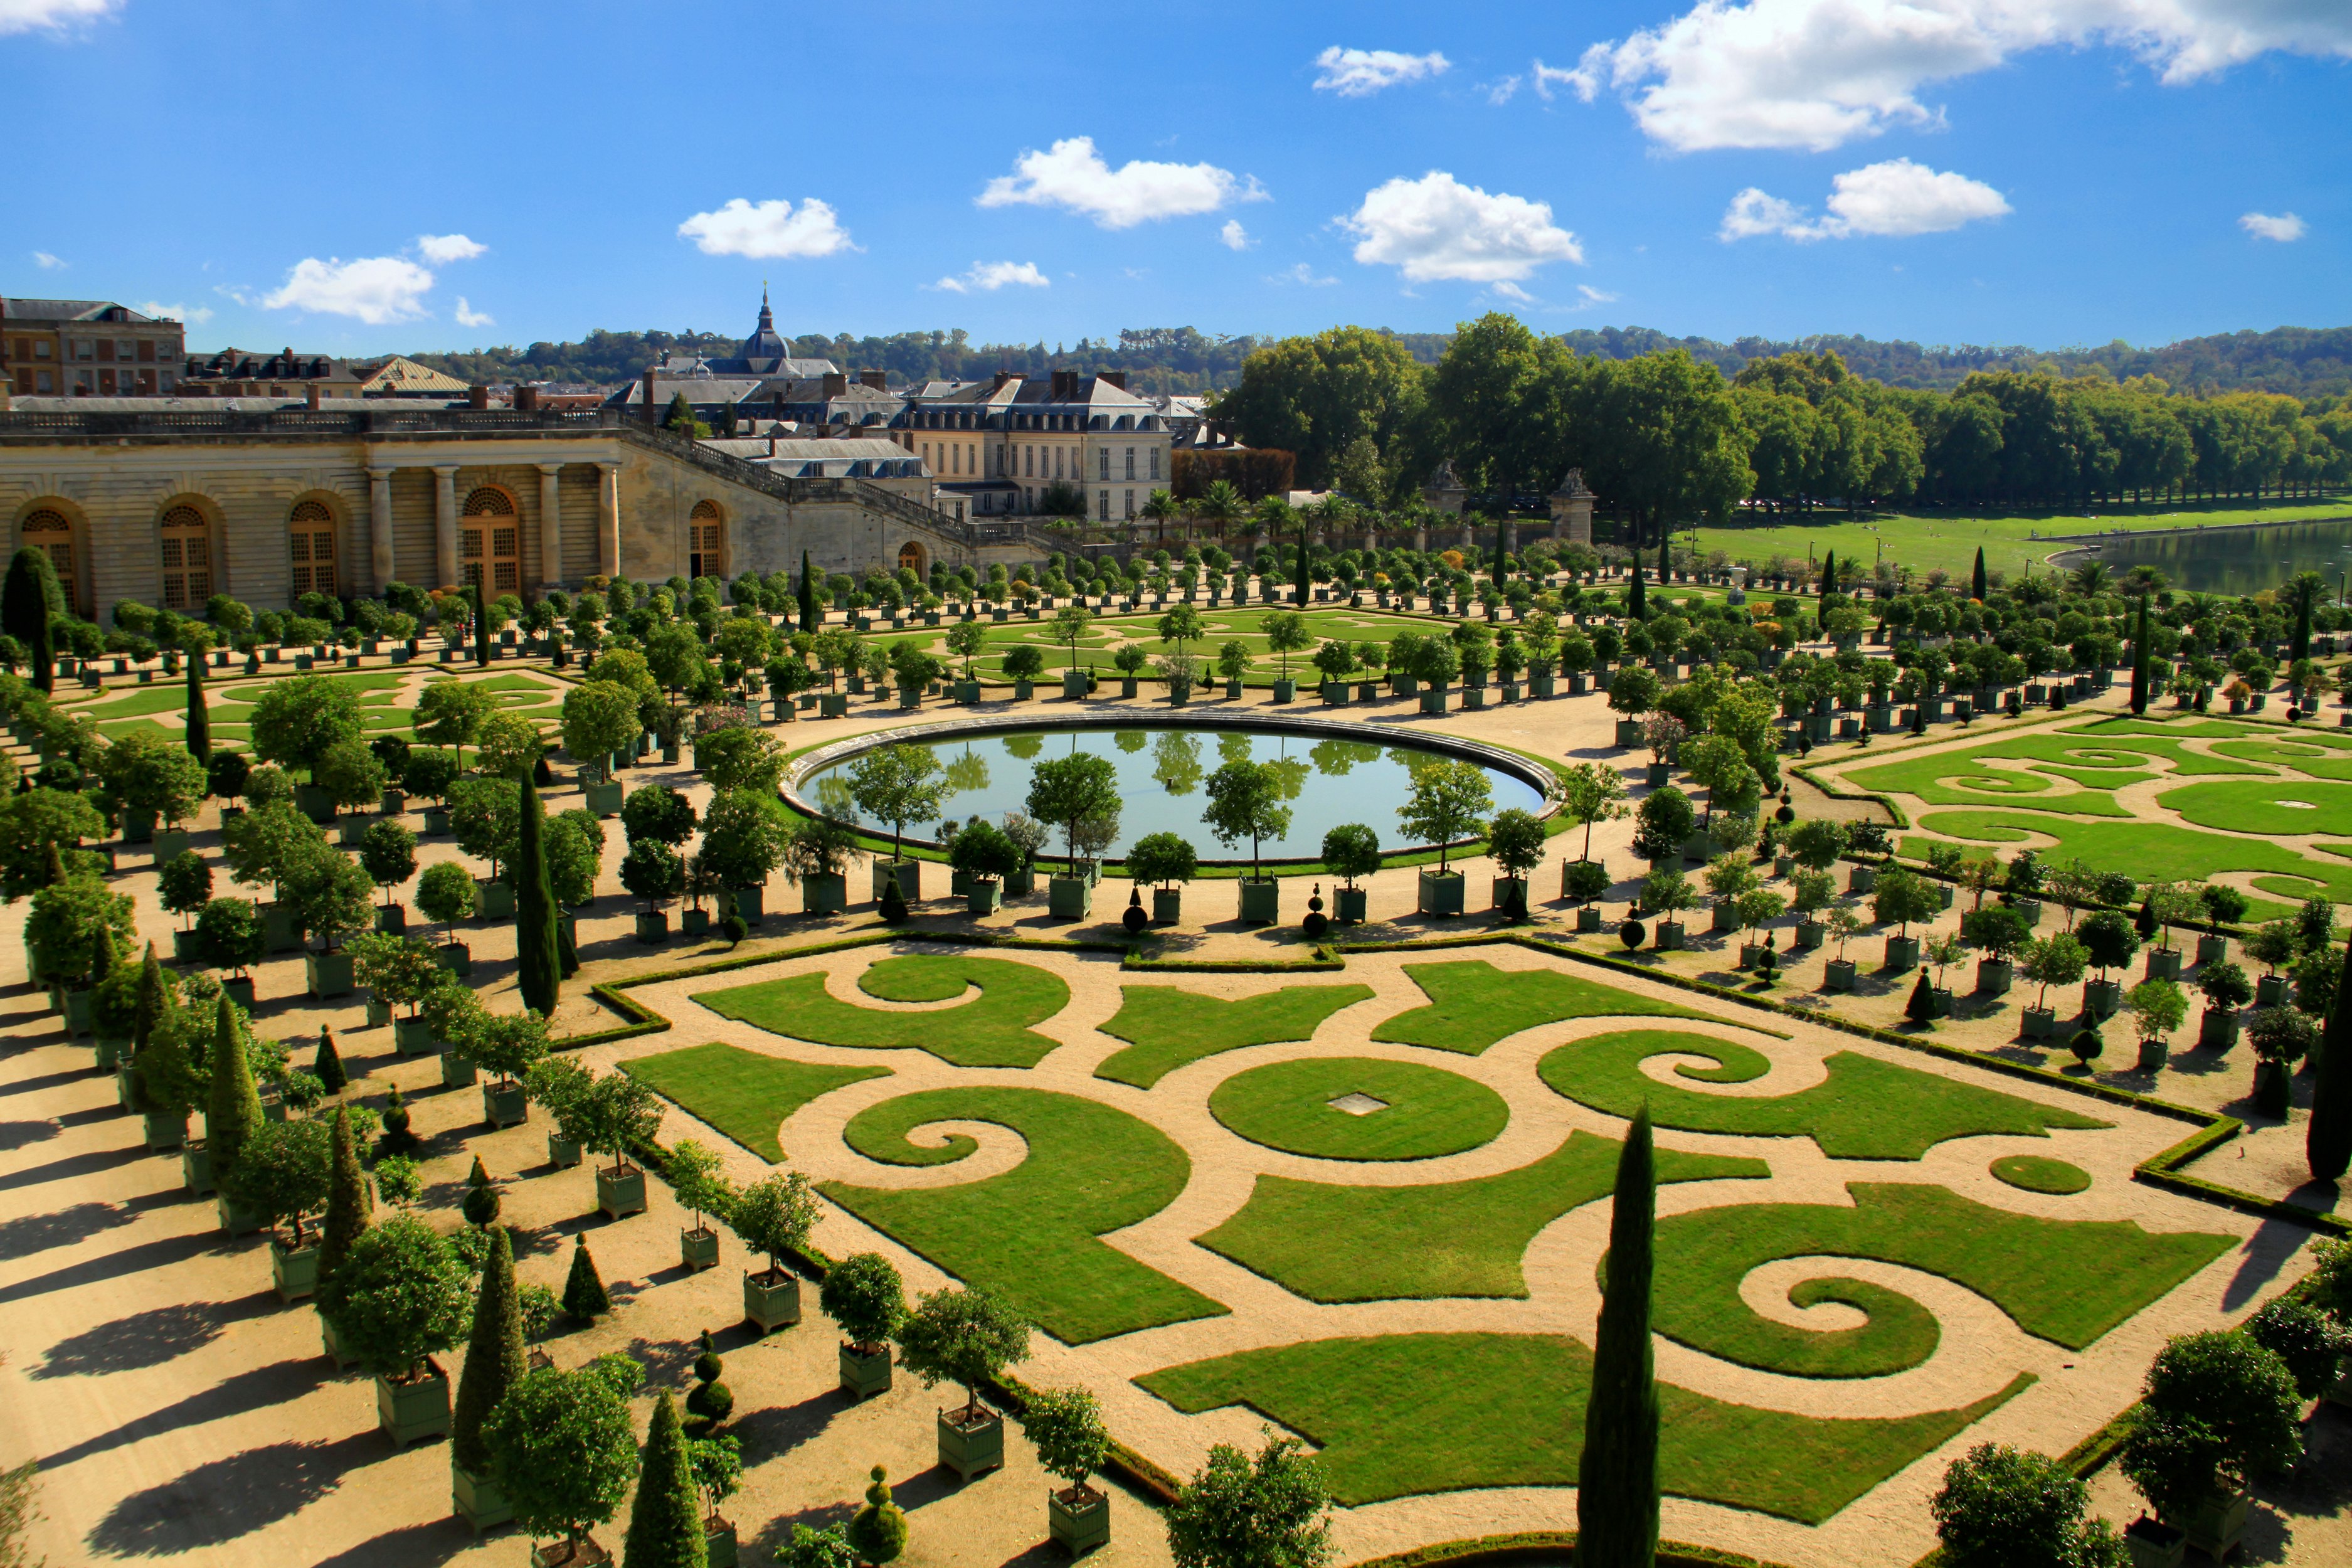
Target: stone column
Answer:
pixel 444 525
pixel 608 519
pixel 380 526
pixel 551 525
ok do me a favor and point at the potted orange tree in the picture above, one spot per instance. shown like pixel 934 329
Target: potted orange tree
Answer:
pixel 865 1298
pixel 701 1188
pixel 398 1300
pixel 967 1337
pixel 773 1215
pixel 1447 802
pixel 619 1113
pixel 1066 1427
pixel 279 1177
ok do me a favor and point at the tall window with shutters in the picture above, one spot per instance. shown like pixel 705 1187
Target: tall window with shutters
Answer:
pixel 311 546
pixel 51 533
pixel 489 546
pixel 187 546
pixel 704 541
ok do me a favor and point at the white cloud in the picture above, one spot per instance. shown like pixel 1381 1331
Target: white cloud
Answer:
pixel 1501 92
pixel 1593 296
pixel 1819 73
pixel 45 262
pixel 1073 175
pixel 1513 291
pixel 1436 227
pixel 438 249
pixel 1359 73
pixel 469 317
pixel 1302 273
pixel 2285 227
pixel 768 229
pixel 1233 235
pixel 52 16
pixel 991 276
pixel 375 289
pixel 1897 198
pixel 1546 77
pixel 195 316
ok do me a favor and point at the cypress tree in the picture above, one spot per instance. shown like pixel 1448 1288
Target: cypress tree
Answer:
pixel 481 626
pixel 147 1012
pixel 56 865
pixel 200 720
pixel 893 904
pixel 494 1358
pixel 1977 585
pixel 1299 587
pixel 25 612
pixel 2298 646
pixel 347 1198
pixel 539 966
pixel 1617 1477
pixel 566 953
pixel 1829 573
pixel 666 1519
pixel 2329 1143
pixel 811 617
pixel 234 1108
pixel 583 1291
pixel 1637 597
pixel 1665 563
pixel 327 1066
pixel 2139 660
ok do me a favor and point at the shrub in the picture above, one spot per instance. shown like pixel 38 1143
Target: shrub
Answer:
pixel 1156 858
pixel 1999 1507
pixel 863 1295
pixel 2217 1410
pixel 398 1299
pixel 562 1451
pixel 2307 1340
pixel 1271 1512
pixel 878 1533
pixel 445 893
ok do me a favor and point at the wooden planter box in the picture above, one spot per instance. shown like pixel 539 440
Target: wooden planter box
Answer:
pixel 910 879
pixel 772 1300
pixel 195 1168
pixel 456 957
pixel 653 926
pixel 1069 898
pixel 2163 963
pixel 982 896
pixel 2041 1023
pixel 505 1104
pixel 2102 997
pixel 1838 974
pixel 2153 1055
pixel 972 1448
pixel 493 900
pixel 862 1375
pixel 1081 1526
pixel 1670 937
pixel 604 798
pixel 1441 893
pixel 621 1195
pixel 2218 1027
pixel 1862 879
pixel 720 1547
pixel 2271 991
pixel 1994 976
pixel 1350 903
pixel 693 923
pixel 164 1133
pixel 1167 906
pixel 294 1271
pixel 698 1250
pixel 328 973
pixel 2155 1544
pixel 1589 919
pixel 477 1500
pixel 562 1153
pixel 414 1409
pixel 457 1071
pixel 1261 901
pixel 2214 1526
pixel 412 1038
pixel 1902 953
pixel 824 894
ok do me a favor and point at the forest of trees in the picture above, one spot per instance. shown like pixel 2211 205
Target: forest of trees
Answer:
pixel 2298 362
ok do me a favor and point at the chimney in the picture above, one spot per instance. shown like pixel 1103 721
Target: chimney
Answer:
pixel 653 414
pixel 1066 385
pixel 477 396
pixel 1002 377
pixel 836 384
pixel 525 399
pixel 1116 377
pixel 311 394
pixel 875 379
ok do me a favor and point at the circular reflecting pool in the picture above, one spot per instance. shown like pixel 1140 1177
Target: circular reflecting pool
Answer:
pixel 1326 780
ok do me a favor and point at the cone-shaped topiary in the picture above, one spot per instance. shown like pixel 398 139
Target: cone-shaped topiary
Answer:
pixel 539 967
pixel 25 610
pixel 494 1358
pixel 666 1519
pixel 327 1067
pixel 481 1202
pixel 894 902
pixel 348 1202
pixel 878 1533
pixel 1921 1008
pixel 199 719
pixel 233 1109
pixel 1617 1479
pixel 584 1291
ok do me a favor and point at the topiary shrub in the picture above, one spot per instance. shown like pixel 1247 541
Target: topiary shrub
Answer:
pixel 711 1402
pixel 878 1533
pixel 583 1289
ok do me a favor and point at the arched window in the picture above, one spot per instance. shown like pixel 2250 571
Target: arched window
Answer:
pixel 910 558
pixel 490 541
pixel 51 530
pixel 311 549
pixel 705 540
pixel 188 557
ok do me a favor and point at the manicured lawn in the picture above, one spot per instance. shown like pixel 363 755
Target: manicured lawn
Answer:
pixel 249 687
pixel 525 683
pixel 990 1031
pixel 2259 807
pixel 1030 1234
pixel 2064 1282
pixel 1171 1028
pixel 743 1093
pixel 2155 851
pixel 2040 1173
pixel 1333 1243
pixel 1403 1415
pixel 1865 1109
pixel 1471 1005
pixel 169 696
pixel 1426 1111
pixel 2324 759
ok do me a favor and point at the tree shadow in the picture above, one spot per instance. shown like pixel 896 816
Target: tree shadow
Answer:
pixel 2264 1253
pixel 413 1546
pixel 46 1081
pixel 239 1394
pixel 38 1232
pixel 775 1537
pixel 148 1339
pixel 15 1135
pixel 229 1499
pixel 161 1253
pixel 72 1166
pixel 775 1429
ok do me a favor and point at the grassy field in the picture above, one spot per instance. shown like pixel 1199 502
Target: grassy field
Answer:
pixel 2040 1173
pixel 1924 540
pixel 2064 1282
pixel 1332 1243
pixel 1409 1414
pixel 743 1093
pixel 2261 805
pixel 990 1031
pixel 1030 1234
pixel 1865 1109
pixel 1426 1111
pixel 2155 852
pixel 1170 1027
pixel 1471 1005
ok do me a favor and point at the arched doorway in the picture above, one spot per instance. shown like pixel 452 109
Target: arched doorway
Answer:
pixel 187 557
pixel 51 531
pixel 489 543
pixel 311 548
pixel 910 558
pixel 705 541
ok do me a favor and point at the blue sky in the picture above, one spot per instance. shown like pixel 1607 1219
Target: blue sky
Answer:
pixel 355 178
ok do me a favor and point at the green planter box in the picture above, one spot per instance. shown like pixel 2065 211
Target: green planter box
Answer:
pixel 1078 1528
pixel 457 1071
pixel 233 1219
pixel 240 990
pixel 315 802
pixel 1069 898
pixel 562 1153
pixel 910 879
pixel 379 1012
pixel 984 895
pixel 418 1408
pixel 1167 906
pixel 720 1547
pixel 81 1011
pixel 604 798
pixel 436 819
pixel 1862 879
pixel 2163 963
pixel 1441 892
pixel 1261 901
pixel 1994 976
pixel 751 903
pixel 1588 919
pixel 862 1375
pixel 295 1271
pixel 1286 690
pixel 825 895
pixel 2101 998
pixel 493 900
pixel 772 1298
pixel 392 918
pixel 1902 953
pixel 1838 974
pixel 973 1448
pixel 1350 903
pixel 621 1195
pixel 2152 1544
pixel 653 926
pixel 1073 684
pixel 2215 1525
pixel 693 923
pixel 350 831
pixel 171 843
pixel 281 932
pixel 412 1038
pixel 164 1132
pixel 698 1249
pixel 505 1105
pixel 477 1500
pixel 2218 1028
pixel 330 974
pixel 1434 700
pixel 195 1168
pixel 331 1343
pixel 2040 1022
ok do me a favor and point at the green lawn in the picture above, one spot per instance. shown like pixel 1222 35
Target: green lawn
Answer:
pixel 2260 806
pixel 743 1093
pixel 2325 758
pixel 1030 1234
pixel 2064 1282
pixel 1427 1112
pixel 2097 758
pixel 1865 1109
pixel 2040 1173
pixel 2155 851
pixel 1471 1005
pixel 167 698
pixel 1170 1027
pixel 1333 1243
pixel 990 1031
pixel 1405 1415
pixel 249 687
pixel 1224 625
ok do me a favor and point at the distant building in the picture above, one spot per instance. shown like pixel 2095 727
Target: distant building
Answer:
pixel 760 370
pixel 999 445
pixel 87 348
pixel 250 372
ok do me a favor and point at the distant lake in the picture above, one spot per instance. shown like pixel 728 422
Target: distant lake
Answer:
pixel 2233 560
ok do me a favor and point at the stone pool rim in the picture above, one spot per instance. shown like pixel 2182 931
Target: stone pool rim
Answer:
pixel 1537 774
